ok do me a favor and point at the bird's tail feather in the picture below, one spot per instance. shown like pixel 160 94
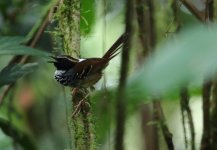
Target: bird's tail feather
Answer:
pixel 113 50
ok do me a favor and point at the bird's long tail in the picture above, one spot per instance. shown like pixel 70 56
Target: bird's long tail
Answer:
pixel 113 50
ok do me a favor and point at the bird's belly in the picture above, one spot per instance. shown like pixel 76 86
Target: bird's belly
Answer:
pixel 68 78
pixel 65 78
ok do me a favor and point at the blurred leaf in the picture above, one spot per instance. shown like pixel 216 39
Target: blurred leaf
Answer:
pixel 189 58
pixel 13 72
pixel 22 138
pixel 11 40
pixel 87 16
pixel 12 46
pixel 41 13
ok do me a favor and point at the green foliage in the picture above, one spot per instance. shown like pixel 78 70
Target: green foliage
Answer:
pixel 13 72
pixel 11 40
pixel 87 16
pixel 13 46
pixel 189 58
pixel 22 138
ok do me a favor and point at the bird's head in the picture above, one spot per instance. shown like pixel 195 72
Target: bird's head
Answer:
pixel 63 62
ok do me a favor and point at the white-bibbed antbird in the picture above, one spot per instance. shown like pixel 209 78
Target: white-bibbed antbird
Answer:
pixel 84 73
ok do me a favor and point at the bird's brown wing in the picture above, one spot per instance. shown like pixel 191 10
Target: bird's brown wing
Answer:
pixel 89 67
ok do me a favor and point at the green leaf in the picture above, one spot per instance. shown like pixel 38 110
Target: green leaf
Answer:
pixel 87 16
pixel 11 40
pixel 12 46
pixel 189 58
pixel 13 72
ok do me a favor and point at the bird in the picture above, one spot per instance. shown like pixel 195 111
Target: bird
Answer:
pixel 84 72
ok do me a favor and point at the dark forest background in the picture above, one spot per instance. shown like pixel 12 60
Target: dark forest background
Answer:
pixel 159 93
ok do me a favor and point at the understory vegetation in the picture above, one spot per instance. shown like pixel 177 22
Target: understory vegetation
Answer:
pixel 159 93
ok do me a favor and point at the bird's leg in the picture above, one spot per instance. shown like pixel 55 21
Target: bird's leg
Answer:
pixel 92 88
pixel 82 105
pixel 74 90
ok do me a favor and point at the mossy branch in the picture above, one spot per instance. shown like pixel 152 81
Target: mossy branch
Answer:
pixel 68 17
pixel 68 30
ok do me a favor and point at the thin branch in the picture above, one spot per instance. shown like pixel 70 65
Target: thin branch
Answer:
pixel 5 92
pixel 36 32
pixel 183 124
pixel 205 142
pixel 142 19
pixel 199 15
pixel 209 11
pixel 40 31
pixel 186 108
pixel 214 117
pixel 152 35
pixel 161 118
pixel 120 106
pixel 150 135
pixel 175 20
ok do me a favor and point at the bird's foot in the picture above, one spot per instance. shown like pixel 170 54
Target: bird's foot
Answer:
pixel 82 105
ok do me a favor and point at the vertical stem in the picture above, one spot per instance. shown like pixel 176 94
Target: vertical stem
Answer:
pixel 143 22
pixel 199 15
pixel 149 132
pixel 83 125
pixel 209 14
pixel 176 8
pixel 183 122
pixel 147 36
pixel 155 138
pixel 68 17
pixel 152 35
pixel 214 116
pixel 205 142
pixel 146 22
pixel 212 16
pixel 120 106
pixel 161 118
pixel 186 108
